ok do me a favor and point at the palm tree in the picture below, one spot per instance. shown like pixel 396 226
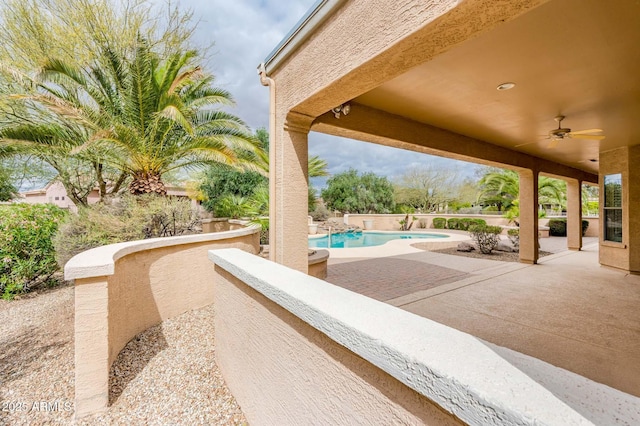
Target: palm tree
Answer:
pixel 501 187
pixel 144 116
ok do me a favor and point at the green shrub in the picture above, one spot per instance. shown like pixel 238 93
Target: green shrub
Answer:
pixel 439 222
pixel 463 224
pixel 233 206
pixel 27 256
pixel 514 236
pixel 486 237
pixel 558 227
pixel 128 218
pixel 478 222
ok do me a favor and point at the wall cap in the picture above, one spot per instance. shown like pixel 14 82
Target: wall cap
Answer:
pixel 100 261
pixel 479 382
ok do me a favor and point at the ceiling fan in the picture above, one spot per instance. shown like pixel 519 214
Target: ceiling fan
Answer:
pixel 556 135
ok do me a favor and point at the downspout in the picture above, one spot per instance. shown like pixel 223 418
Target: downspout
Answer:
pixel 268 81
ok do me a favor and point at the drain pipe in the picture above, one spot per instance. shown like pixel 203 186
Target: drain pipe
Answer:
pixel 268 81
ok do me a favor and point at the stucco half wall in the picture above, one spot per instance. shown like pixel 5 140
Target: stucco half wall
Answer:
pixel 294 349
pixel 123 289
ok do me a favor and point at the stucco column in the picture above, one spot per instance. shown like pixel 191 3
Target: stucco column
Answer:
pixel 528 216
pixel 574 214
pixel 623 254
pixel 289 193
pixel 91 346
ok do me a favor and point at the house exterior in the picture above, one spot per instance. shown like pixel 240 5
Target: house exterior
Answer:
pixel 55 193
pixel 477 80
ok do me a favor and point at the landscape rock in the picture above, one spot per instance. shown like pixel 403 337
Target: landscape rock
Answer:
pixel 507 248
pixel 465 247
pixel 336 227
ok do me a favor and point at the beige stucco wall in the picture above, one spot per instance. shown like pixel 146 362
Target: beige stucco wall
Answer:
pixel 297 350
pixel 391 222
pixel 282 371
pixel 138 285
pixel 220 225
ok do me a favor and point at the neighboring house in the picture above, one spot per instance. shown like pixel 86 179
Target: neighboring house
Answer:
pixel 55 193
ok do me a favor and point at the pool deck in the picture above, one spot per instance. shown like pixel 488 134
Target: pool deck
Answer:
pixel 565 312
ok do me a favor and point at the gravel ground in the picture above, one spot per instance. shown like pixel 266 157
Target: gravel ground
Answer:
pixel 495 255
pixel 164 376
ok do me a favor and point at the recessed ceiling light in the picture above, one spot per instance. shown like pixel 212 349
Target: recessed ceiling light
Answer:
pixel 506 86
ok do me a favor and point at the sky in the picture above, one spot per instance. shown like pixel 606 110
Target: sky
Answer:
pixel 244 33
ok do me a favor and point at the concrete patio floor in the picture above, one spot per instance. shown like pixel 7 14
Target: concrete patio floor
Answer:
pixel 567 310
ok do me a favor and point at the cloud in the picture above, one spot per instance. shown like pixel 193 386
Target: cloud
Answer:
pixel 244 33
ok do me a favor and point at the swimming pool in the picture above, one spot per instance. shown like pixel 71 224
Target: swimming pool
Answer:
pixel 367 239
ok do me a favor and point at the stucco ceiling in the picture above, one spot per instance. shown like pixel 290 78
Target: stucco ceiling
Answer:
pixel 577 58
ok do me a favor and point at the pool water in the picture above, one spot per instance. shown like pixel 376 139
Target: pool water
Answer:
pixel 366 239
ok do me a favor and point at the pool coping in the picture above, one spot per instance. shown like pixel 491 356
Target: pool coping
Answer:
pixel 390 248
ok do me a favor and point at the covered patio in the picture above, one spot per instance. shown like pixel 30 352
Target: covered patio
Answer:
pixel 566 311
pixel 478 80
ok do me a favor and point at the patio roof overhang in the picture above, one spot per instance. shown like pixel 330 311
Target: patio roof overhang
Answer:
pixel 576 58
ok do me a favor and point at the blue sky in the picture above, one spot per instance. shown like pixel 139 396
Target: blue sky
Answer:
pixel 244 33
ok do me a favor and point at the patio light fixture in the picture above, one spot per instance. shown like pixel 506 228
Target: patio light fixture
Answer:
pixel 344 109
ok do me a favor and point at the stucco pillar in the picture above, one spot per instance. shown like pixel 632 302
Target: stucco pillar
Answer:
pixel 91 346
pixel 623 255
pixel 528 216
pixel 288 226
pixel 574 214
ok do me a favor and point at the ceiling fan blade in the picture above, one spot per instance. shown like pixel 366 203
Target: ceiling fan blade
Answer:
pixel 553 143
pixel 582 132
pixel 592 137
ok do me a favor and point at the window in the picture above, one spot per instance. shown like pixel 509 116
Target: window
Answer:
pixel 613 208
pixel 57 198
pixel 63 198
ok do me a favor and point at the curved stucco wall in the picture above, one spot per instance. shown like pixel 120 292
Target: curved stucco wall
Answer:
pixel 123 289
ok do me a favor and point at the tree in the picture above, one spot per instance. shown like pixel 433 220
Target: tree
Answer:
pixel 76 33
pixel 427 187
pixel 354 193
pixel 499 187
pixel 502 188
pixel 143 115
pixel 221 182
pixel 7 190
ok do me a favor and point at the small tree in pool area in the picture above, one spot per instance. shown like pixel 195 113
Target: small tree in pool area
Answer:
pixel 486 237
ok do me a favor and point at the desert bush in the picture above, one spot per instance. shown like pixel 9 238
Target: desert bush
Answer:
pixel 439 222
pixel 27 255
pixel 486 237
pixel 320 213
pixel 558 227
pixel 422 223
pixel 514 237
pixel 127 218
